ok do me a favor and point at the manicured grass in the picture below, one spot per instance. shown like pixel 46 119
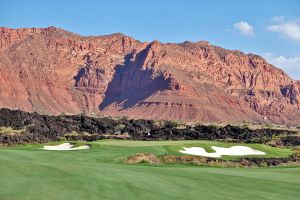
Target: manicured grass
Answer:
pixel 173 147
pixel 27 172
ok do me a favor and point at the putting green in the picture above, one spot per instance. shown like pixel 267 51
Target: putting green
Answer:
pixel 30 173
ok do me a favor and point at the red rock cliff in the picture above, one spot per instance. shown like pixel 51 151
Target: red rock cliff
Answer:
pixel 50 70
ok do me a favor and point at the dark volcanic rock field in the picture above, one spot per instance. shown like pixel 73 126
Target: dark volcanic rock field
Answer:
pixel 36 128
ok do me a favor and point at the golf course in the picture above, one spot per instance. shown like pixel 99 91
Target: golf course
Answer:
pixel 28 172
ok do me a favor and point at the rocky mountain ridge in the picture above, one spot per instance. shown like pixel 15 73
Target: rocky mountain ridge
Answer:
pixel 50 70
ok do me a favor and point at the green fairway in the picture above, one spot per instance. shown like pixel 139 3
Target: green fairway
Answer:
pixel 28 172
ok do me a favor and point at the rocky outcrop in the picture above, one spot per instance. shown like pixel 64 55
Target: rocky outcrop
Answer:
pixel 50 70
pixel 9 37
pixel 292 92
pixel 27 127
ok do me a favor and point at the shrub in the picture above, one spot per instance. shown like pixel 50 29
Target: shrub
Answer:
pixel 10 131
pixel 72 134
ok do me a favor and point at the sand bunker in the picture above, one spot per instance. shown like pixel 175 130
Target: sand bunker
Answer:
pixel 65 147
pixel 221 151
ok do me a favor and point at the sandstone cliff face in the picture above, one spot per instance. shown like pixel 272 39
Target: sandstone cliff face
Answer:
pixel 50 70
pixel 9 37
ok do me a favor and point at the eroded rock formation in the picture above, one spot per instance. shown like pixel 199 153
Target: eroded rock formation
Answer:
pixel 50 70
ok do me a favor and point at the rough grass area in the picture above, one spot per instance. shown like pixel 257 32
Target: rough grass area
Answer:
pixel 28 172
pixel 143 158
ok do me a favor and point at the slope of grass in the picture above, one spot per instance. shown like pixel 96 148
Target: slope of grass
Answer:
pixel 28 172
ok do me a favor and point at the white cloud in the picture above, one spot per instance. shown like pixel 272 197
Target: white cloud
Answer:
pixel 244 28
pixel 278 19
pixel 291 65
pixel 288 29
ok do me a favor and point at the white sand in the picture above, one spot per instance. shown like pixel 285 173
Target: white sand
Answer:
pixel 65 147
pixel 221 151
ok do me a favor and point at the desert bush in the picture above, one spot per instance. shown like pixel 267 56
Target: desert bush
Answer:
pixel 10 131
pixel 62 139
pixel 72 134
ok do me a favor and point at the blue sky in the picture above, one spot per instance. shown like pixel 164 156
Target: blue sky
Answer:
pixel 270 28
